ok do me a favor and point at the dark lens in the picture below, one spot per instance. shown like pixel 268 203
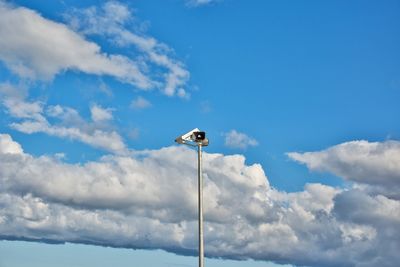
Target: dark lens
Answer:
pixel 200 136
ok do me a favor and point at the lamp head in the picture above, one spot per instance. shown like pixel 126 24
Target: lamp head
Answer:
pixel 194 137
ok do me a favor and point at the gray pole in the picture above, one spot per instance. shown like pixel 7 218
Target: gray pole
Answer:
pixel 200 203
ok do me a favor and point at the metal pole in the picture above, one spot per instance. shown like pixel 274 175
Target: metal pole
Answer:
pixel 200 203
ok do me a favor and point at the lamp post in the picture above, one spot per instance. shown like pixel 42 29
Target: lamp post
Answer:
pixel 197 138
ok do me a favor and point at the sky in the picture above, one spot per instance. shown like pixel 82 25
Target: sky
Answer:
pixel 299 99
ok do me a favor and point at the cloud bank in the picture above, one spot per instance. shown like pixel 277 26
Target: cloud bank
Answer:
pixel 148 200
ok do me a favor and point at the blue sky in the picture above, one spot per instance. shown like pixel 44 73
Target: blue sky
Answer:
pixel 299 101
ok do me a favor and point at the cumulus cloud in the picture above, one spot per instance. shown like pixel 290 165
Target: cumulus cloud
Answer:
pixel 375 218
pixel 8 146
pixel 148 200
pixel 112 20
pixel 37 48
pixel 140 103
pixel 235 139
pixel 34 117
pixel 375 164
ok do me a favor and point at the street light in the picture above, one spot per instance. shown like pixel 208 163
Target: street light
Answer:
pixel 197 138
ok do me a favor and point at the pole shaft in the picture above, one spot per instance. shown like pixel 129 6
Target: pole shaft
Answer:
pixel 200 205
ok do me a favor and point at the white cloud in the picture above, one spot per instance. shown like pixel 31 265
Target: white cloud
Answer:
pixel 140 103
pixel 8 146
pixel 149 201
pixel 100 114
pixel 37 48
pixel 32 117
pixel 13 101
pixel 196 3
pixel 235 139
pixel 109 141
pixel 375 164
pixel 110 20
